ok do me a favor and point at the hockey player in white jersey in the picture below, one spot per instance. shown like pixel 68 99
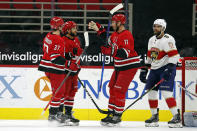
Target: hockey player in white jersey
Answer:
pixel 162 57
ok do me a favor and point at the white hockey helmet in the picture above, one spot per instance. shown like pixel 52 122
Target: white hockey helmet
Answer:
pixel 161 22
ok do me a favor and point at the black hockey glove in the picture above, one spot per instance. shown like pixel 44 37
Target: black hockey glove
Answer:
pixel 168 71
pixel 77 51
pixel 143 74
pixel 68 55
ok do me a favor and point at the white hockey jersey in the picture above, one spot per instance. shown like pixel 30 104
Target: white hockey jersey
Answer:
pixel 162 51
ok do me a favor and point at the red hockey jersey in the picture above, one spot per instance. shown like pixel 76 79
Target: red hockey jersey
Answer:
pixel 53 59
pixel 125 41
pixel 70 44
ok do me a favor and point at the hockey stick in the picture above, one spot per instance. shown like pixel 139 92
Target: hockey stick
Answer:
pixel 187 91
pixel 115 9
pixel 101 111
pixel 57 90
pixel 143 94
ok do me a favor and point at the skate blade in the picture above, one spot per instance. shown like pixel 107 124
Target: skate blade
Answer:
pixel 155 124
pixel 55 124
pixel 71 124
pixel 104 123
pixel 113 125
pixel 178 125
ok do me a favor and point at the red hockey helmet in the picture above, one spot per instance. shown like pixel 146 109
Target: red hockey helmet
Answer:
pixel 119 17
pixel 68 25
pixel 56 22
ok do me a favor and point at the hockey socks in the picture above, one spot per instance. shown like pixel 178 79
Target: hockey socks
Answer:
pixel 153 101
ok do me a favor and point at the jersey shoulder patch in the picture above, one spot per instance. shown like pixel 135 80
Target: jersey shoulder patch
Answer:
pixel 166 36
pixel 171 45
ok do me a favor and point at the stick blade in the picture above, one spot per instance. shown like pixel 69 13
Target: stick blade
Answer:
pixel 116 8
pixel 86 36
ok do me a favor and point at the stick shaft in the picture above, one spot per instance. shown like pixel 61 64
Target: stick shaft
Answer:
pixel 101 111
pixel 144 94
pixel 187 91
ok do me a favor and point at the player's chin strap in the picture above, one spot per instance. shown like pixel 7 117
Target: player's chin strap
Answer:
pixel 143 94
pixel 160 35
pixel 162 32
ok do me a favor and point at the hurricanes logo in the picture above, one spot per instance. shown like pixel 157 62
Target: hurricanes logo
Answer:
pixel 42 89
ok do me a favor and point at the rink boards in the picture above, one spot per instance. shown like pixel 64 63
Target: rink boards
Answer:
pixel 25 91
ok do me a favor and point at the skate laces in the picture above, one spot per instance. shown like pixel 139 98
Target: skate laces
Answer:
pixel 110 115
pixel 59 114
pixel 51 117
pixel 154 117
pixel 72 116
pixel 54 117
pixel 176 117
pixel 69 116
pixel 115 118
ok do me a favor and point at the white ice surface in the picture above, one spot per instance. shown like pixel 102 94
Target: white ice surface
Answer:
pixel 43 125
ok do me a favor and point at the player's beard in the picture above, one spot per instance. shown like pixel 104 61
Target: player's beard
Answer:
pixel 61 34
pixel 157 33
pixel 117 27
pixel 73 34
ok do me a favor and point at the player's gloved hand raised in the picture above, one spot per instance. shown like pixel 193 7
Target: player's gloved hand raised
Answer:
pixel 77 51
pixel 168 71
pixel 92 25
pixel 96 27
pixel 72 66
pixel 109 50
pixel 143 74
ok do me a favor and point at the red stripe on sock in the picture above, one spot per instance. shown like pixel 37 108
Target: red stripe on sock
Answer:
pixel 153 103
pixel 171 102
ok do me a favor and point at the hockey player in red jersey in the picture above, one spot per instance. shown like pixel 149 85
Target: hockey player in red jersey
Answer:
pixel 121 47
pixel 162 56
pixel 73 51
pixel 53 63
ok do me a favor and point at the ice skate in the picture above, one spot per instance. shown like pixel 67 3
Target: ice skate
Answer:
pixel 115 121
pixel 55 120
pixel 175 122
pixel 153 121
pixel 107 119
pixel 70 120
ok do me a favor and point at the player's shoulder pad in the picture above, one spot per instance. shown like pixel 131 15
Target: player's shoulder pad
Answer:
pixel 167 36
pixel 126 33
pixel 171 39
pixel 129 35
pixel 152 38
